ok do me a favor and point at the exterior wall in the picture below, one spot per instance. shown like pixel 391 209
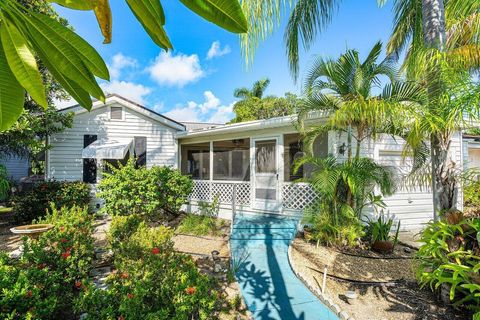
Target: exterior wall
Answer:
pixel 17 167
pixel 65 157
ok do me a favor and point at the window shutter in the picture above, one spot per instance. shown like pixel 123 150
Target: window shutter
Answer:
pixel 116 113
pixel 140 152
pixel 89 165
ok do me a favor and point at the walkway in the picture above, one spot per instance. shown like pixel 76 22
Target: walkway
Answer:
pixel 270 288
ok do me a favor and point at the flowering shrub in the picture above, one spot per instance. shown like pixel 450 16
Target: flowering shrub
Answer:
pixel 145 192
pixel 52 270
pixel 152 282
pixel 450 256
pixel 471 197
pixel 33 204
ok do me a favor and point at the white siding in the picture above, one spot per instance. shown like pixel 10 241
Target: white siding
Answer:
pixel 65 157
pixel 16 167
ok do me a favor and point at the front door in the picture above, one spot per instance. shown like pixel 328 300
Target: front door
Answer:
pixel 265 174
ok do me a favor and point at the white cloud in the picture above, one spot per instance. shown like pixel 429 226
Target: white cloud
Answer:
pixel 210 110
pixel 119 62
pixel 133 91
pixel 176 70
pixel 216 50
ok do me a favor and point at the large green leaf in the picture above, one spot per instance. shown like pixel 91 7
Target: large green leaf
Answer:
pixel 104 18
pixel 12 95
pixel 225 13
pixel 46 35
pixel 76 4
pixel 22 62
pixel 151 16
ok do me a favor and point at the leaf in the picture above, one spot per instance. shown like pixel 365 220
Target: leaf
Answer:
pixel 75 4
pixel 12 95
pixel 150 14
pixel 22 62
pixel 104 18
pixel 225 13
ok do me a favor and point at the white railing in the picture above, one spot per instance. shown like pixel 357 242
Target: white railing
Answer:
pixel 204 190
pixel 297 195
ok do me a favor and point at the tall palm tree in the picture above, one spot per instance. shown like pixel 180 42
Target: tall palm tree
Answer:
pixel 257 90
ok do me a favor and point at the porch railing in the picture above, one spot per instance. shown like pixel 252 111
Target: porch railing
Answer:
pixel 295 196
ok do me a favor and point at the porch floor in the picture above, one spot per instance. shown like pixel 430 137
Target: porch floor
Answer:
pixel 271 290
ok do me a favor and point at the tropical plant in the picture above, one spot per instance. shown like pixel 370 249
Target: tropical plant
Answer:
pixel 471 197
pixel 4 183
pixel 26 35
pixel 450 257
pixel 379 230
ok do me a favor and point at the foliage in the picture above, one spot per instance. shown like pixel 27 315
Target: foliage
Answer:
pixel 450 255
pixel 201 225
pixel 122 228
pixel 26 35
pixel 51 271
pixel 4 184
pixel 379 230
pixel 142 191
pixel 152 282
pixel 34 203
pixel 471 195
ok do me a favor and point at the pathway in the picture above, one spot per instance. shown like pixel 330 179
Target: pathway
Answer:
pixel 270 288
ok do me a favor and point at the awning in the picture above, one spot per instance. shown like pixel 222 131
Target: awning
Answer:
pixel 107 149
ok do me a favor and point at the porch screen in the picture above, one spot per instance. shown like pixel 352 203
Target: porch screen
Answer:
pixel 196 160
pixel 231 160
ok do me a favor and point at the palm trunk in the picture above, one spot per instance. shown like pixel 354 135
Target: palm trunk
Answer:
pixel 434 35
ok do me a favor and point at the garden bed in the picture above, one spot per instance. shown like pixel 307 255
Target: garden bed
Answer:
pixel 386 288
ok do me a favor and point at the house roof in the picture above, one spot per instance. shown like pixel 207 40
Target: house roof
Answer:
pixel 251 125
pixel 112 98
pixel 192 125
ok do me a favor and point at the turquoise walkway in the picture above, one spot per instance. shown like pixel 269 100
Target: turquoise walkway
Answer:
pixel 270 288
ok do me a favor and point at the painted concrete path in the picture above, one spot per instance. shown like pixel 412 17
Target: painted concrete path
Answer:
pixel 270 288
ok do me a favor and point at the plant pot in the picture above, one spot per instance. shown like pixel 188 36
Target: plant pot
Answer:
pixel 383 246
pixel 307 233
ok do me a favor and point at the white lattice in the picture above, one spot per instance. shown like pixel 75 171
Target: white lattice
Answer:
pixel 206 191
pixel 298 196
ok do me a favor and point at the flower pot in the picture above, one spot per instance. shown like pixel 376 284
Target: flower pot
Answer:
pixel 383 246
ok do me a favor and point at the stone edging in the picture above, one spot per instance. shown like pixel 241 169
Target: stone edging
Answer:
pixel 324 298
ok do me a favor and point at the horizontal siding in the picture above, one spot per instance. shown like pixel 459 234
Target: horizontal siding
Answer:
pixel 17 167
pixel 65 157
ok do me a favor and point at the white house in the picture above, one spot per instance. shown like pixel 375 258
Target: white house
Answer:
pixel 247 166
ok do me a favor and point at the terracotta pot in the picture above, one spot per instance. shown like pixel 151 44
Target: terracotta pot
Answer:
pixel 383 246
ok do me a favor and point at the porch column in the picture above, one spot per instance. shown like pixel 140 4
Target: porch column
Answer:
pixel 210 184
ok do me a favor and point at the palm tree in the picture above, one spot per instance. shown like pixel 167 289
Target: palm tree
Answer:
pixel 257 90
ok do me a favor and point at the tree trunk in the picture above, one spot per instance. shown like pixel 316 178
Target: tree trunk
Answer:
pixel 434 35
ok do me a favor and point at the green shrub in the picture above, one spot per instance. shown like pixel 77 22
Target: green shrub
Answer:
pixel 34 203
pixel 471 196
pixel 4 184
pixel 152 282
pixel 145 192
pixel 200 225
pixel 121 228
pixel 450 255
pixel 51 271
pixel 379 230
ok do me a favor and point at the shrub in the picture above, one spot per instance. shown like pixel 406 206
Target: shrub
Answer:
pixel 4 184
pixel 51 271
pixel 450 256
pixel 121 229
pixel 379 230
pixel 200 225
pixel 34 203
pixel 152 282
pixel 471 196
pixel 145 192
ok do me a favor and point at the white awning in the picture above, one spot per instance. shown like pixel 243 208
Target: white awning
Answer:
pixel 107 149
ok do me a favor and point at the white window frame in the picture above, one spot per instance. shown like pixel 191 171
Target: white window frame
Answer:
pixel 110 113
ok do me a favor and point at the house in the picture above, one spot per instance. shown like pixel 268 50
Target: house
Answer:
pixel 17 167
pixel 247 166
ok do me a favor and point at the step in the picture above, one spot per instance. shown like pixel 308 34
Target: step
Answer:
pixel 265 223
pixel 283 235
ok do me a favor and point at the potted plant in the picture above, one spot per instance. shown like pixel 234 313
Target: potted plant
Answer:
pixel 307 232
pixel 379 232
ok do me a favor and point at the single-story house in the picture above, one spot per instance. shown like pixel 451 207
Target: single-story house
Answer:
pixel 247 166
pixel 17 167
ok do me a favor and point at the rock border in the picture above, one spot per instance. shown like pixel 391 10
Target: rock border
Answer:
pixel 324 298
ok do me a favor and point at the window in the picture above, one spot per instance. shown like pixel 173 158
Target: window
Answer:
pixel 140 151
pixel 115 163
pixel 116 113
pixel 231 160
pixel 266 156
pixel 196 160
pixel 89 165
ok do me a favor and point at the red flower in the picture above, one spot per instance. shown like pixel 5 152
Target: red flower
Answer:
pixel 124 275
pixel 78 284
pixel 66 254
pixel 62 228
pixel 130 295
pixel 29 293
pixel 155 251
pixel 63 240
pixel 191 290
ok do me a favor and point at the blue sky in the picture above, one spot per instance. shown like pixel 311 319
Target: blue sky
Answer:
pixel 189 85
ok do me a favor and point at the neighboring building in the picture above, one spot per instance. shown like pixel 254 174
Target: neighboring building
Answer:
pixel 17 167
pixel 248 165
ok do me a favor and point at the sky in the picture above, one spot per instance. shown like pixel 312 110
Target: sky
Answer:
pixel 196 80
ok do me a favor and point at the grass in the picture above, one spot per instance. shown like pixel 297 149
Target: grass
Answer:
pixel 199 225
pixel 5 210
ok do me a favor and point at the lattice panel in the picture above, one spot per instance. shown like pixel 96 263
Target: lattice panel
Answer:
pixel 243 193
pixel 298 196
pixel 206 191
pixel 201 191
